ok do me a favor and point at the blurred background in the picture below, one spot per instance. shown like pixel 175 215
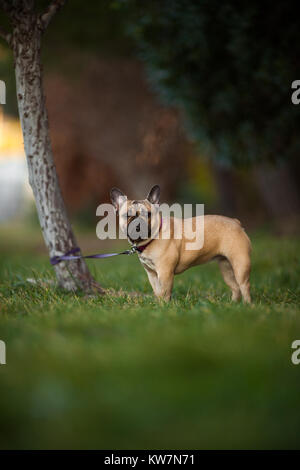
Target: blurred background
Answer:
pixel 141 95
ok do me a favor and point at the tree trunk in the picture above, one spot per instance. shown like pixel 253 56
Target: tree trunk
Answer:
pixel 56 228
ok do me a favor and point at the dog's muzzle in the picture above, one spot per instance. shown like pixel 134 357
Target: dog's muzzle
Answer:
pixel 138 229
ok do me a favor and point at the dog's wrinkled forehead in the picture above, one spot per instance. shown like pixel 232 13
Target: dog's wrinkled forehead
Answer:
pixel 138 207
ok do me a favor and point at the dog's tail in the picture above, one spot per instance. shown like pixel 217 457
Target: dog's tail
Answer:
pixel 248 239
pixel 238 222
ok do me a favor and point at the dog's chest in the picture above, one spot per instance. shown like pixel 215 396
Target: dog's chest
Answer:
pixel 147 263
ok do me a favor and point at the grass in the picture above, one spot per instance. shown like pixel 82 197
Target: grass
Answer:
pixel 127 372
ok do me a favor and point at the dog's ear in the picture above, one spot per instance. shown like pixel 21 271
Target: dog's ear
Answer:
pixel 154 195
pixel 117 197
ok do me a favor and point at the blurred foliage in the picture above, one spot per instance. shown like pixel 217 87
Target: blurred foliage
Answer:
pixel 87 26
pixel 97 26
pixel 93 28
pixel 230 66
pixel 199 184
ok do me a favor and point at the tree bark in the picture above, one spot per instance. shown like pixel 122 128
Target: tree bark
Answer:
pixel 57 231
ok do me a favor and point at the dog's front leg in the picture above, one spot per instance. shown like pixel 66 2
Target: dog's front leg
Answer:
pixel 165 280
pixel 153 279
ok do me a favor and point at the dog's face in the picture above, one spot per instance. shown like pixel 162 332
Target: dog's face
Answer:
pixel 140 220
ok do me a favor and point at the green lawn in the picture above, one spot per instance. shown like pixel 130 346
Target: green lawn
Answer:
pixel 126 372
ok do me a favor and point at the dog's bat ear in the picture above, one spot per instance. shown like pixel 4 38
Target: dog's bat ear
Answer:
pixel 154 195
pixel 117 197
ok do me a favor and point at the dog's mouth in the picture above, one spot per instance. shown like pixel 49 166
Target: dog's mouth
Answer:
pixel 142 224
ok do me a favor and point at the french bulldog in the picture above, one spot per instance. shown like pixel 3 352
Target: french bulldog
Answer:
pixel 163 254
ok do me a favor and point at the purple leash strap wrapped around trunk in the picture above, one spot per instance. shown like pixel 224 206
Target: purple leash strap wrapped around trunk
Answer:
pixel 71 255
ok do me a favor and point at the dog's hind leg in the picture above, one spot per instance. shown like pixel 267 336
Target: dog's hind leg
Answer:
pixel 229 278
pixel 241 268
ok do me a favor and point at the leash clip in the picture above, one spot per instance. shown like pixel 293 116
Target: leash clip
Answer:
pixel 132 250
